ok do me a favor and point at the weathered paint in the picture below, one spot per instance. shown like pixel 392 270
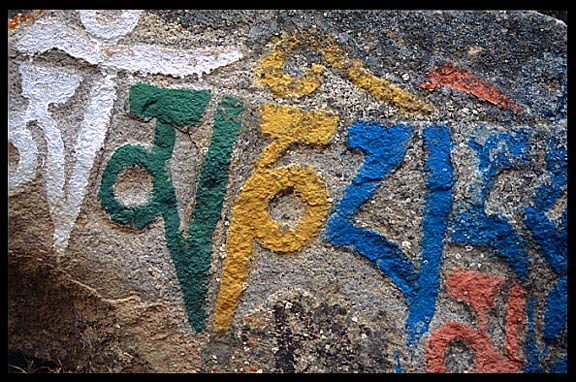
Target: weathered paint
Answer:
pixel 60 85
pixel 384 150
pixel 479 291
pixel 448 76
pixel 471 224
pixel 251 219
pixel 557 111
pixel 552 238
pixel 111 31
pixel 191 254
pixel 270 72
pixel 147 59
pixel 89 141
pixel 21 138
pixel 43 87
pixel 104 52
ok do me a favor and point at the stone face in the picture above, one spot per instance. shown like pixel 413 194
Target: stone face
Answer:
pixel 288 191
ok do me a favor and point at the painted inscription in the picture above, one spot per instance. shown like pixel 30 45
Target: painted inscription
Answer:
pixel 190 254
pixel 44 86
pixel 448 76
pixel 103 47
pixel 552 239
pixel 471 224
pixel 270 72
pixel 287 125
pixel 479 291
pixel 384 150
pixel 251 218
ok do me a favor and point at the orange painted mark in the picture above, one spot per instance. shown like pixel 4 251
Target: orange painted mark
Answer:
pixel 479 291
pixel 448 76
pixel 17 20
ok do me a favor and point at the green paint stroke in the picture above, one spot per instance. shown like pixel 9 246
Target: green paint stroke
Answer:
pixel 177 107
pixel 212 183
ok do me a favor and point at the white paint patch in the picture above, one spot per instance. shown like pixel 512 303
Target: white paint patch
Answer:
pixel 21 138
pixel 89 141
pixel 41 87
pixel 47 34
pixel 144 59
pixel 46 86
pixel 110 32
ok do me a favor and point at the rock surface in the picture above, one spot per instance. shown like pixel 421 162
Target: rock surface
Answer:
pixel 289 191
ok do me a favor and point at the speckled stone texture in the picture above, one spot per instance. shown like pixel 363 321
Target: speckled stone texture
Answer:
pixel 373 191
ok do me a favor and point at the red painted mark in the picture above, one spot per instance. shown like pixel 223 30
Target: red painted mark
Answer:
pixel 446 75
pixel 17 20
pixel 515 321
pixel 479 291
pixel 476 289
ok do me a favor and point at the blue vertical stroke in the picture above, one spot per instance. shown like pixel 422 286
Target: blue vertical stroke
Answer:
pixel 531 350
pixel 437 208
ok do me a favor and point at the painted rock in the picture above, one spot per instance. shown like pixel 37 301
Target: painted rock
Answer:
pixel 288 191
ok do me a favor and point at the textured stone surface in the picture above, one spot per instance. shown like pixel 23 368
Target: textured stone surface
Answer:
pixel 289 191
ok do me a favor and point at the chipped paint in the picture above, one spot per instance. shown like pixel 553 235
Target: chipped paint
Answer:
pixel 270 72
pixel 44 87
pixel 101 48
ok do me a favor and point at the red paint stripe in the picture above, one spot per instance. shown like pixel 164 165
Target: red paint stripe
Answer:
pixel 515 320
pixel 447 76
